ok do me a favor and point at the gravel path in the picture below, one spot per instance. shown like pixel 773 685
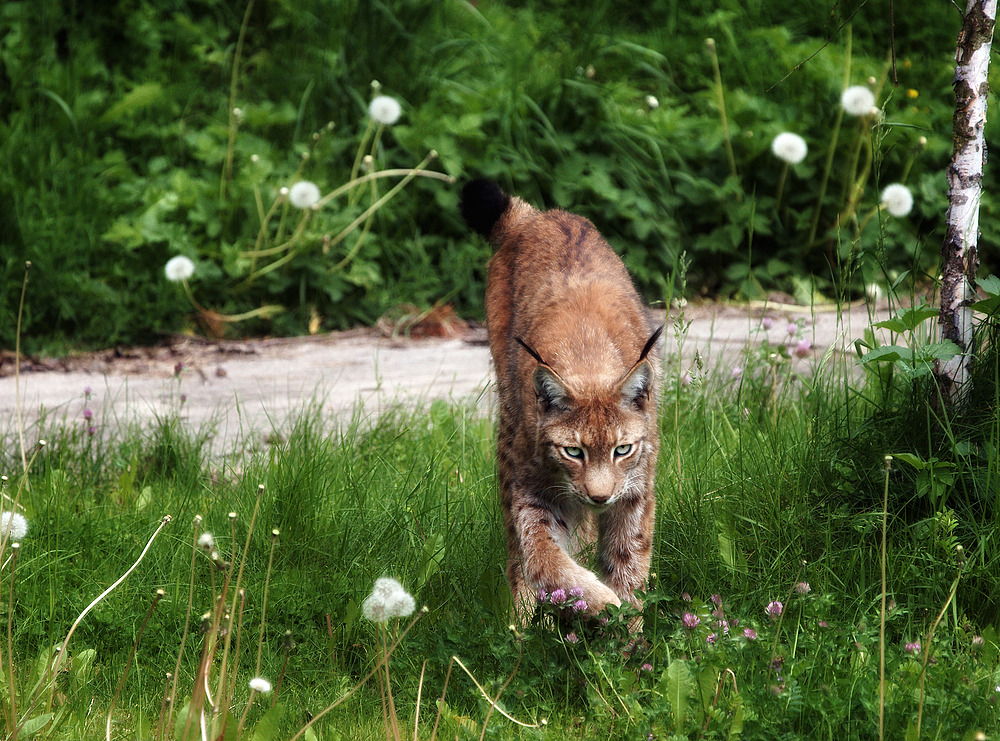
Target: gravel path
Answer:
pixel 249 390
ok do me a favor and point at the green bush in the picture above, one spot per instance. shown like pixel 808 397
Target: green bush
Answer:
pixel 115 143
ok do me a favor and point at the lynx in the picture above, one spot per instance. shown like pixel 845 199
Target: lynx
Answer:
pixel 577 403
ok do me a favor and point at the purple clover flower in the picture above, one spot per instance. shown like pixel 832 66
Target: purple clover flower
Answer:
pixel 750 634
pixel 774 609
pixel 580 605
pixel 690 620
pixel 557 597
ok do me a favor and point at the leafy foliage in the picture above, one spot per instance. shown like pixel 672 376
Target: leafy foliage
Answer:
pixel 118 149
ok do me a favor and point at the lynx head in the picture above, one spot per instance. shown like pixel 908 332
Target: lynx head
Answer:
pixel 597 439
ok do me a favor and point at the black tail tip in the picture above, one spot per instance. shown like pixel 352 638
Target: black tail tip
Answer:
pixel 483 203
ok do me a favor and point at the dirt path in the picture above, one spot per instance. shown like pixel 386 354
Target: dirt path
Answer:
pixel 248 390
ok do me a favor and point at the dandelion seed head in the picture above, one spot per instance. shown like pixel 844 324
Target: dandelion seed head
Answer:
pixel 178 268
pixel 261 685
pixel 387 600
pixel 857 100
pixel 897 200
pixel 789 147
pixel 13 523
pixel 303 194
pixel 385 109
pixel 206 541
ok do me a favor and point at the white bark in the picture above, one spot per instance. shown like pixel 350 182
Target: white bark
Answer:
pixel 959 253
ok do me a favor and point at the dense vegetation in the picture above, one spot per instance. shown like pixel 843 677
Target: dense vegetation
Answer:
pixel 120 148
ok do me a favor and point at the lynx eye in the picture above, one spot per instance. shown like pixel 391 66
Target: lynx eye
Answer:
pixel 573 452
pixel 623 449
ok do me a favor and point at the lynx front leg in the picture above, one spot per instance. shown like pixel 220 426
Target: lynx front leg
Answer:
pixel 625 544
pixel 543 563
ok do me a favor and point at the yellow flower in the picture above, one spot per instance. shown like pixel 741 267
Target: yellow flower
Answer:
pixel 911 93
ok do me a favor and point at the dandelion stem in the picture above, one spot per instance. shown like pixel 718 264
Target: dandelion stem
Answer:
pixel 128 665
pixel 187 624
pixel 53 671
pixel 832 149
pixel 17 370
pixel 420 689
pixel 710 43
pixel 372 209
pixel 263 609
pixel 360 684
pixel 881 627
pixel 12 686
pixel 227 172
pixel 486 696
pixel 493 704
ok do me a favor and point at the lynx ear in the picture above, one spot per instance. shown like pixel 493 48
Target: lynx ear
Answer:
pixel 636 385
pixel 550 390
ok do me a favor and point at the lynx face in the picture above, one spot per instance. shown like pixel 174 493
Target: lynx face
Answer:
pixel 577 429
pixel 598 445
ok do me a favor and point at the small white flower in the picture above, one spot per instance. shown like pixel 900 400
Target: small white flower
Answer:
pixel 261 685
pixel 897 200
pixel 179 269
pixel 874 291
pixel 387 600
pixel 652 102
pixel 857 100
pixel 384 109
pixel 789 147
pixel 206 541
pixel 304 194
pixel 15 524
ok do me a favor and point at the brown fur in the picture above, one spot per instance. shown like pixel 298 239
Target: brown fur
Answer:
pixel 568 335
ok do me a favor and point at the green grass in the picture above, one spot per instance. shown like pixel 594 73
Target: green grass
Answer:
pixel 773 484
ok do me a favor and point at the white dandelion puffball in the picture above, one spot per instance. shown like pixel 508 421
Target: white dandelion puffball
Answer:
pixel 385 109
pixel 14 524
pixel 857 100
pixel 897 200
pixel 652 102
pixel 261 685
pixel 387 600
pixel 206 541
pixel 304 194
pixel 179 269
pixel 789 147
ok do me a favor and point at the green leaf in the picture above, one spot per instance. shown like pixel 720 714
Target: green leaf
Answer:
pixel 431 558
pixel 990 284
pixel 679 686
pixel 138 99
pixel 886 354
pixel 33 725
pixel 267 726
pixel 909 319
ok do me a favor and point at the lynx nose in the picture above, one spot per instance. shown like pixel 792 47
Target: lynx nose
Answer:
pixel 600 486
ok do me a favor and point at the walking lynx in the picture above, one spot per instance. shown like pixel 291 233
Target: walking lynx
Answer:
pixel 577 396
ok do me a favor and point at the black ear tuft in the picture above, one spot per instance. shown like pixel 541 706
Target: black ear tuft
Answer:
pixel 483 203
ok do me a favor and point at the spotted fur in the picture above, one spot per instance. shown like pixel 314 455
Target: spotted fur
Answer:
pixel 577 402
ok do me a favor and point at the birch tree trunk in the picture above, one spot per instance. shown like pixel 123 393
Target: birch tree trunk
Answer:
pixel 959 253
